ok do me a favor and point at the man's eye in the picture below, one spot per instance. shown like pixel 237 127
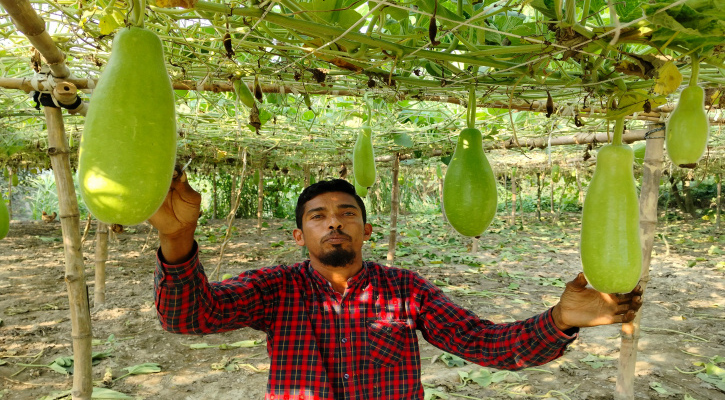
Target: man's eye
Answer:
pixel 317 216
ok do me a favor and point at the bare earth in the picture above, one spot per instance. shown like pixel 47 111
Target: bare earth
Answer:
pixel 515 274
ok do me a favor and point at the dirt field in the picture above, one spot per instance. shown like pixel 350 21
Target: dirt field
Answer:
pixel 516 273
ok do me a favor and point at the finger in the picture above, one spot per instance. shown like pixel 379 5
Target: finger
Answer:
pixel 580 282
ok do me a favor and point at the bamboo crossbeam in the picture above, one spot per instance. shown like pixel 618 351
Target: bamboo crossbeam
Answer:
pixel 655 115
pixel 32 26
pixel 540 143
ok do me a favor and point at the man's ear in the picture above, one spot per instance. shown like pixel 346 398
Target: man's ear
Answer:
pixel 299 237
pixel 368 231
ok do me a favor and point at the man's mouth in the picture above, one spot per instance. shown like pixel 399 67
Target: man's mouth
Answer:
pixel 336 238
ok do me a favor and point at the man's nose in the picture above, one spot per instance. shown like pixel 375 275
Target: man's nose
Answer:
pixel 335 223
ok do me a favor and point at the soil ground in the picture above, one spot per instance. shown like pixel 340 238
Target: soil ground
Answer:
pixel 515 274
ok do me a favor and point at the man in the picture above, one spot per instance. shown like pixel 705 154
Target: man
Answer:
pixel 339 327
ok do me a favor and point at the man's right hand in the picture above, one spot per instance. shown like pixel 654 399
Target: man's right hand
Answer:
pixel 176 219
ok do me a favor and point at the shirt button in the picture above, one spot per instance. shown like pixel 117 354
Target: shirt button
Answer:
pixel 344 340
pixel 346 376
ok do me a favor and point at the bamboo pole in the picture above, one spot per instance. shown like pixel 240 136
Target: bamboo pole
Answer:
pixel 74 273
pixel 10 193
pixel 651 173
pixel 260 200
pixel 27 21
pixel 214 194
pixel 226 86
pixel 513 196
pixel 394 205
pixel 719 201
pixel 538 195
pixel 101 256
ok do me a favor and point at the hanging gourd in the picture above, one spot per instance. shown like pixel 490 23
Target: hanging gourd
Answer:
pixel 361 191
pixel 4 218
pixel 469 187
pixel 363 156
pixel 688 126
pixel 610 250
pixel 128 147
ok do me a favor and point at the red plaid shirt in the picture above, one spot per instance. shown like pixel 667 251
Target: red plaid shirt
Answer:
pixel 360 345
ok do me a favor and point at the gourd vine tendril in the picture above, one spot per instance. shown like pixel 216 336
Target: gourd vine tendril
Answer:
pixel 471 117
pixel 618 131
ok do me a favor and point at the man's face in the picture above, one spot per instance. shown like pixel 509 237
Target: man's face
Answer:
pixel 333 229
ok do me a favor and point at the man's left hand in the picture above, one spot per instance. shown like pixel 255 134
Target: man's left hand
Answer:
pixel 581 306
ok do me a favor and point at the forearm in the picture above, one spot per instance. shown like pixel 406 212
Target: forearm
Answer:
pixel 187 303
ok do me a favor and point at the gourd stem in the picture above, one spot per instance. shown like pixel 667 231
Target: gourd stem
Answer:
pixel 618 131
pixel 471 120
pixel 138 12
pixel 695 71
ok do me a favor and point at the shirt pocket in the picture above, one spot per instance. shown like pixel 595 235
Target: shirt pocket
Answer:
pixel 387 341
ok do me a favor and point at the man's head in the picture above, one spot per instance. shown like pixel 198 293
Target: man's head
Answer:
pixel 332 224
pixel 316 189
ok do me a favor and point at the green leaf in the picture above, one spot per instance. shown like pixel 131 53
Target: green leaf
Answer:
pixel 451 360
pixel 402 139
pixel 657 387
pixel 432 394
pixel 145 368
pixel 104 393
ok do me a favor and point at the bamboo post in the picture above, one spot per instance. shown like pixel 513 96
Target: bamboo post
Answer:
pixel 260 200
pixel 101 256
pixel 513 196
pixel 306 173
pixel 74 272
pixel 538 195
pixel 10 194
pixel 236 200
pixel 395 203
pixel 214 194
pixel 552 194
pixel 651 173
pixel 719 201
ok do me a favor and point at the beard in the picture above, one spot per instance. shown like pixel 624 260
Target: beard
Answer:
pixel 338 257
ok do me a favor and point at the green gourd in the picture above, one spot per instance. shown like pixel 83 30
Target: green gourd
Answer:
pixel 610 249
pixel 363 158
pixel 15 180
pixel 469 187
pixel 361 191
pixel 4 218
pixel 244 95
pixel 688 126
pixel 128 146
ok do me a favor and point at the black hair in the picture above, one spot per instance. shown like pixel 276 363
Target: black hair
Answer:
pixel 321 187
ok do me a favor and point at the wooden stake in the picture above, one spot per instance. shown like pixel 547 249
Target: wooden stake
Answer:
pixel 214 194
pixel 74 272
pixel 719 201
pixel 538 195
pixel 101 256
pixel 651 173
pixel 306 173
pixel 513 196
pixel 260 200
pixel 10 194
pixel 395 204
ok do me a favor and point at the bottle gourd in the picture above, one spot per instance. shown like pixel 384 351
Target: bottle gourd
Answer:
pixel 688 127
pixel 469 187
pixel 4 219
pixel 128 147
pixel 363 158
pixel 610 249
